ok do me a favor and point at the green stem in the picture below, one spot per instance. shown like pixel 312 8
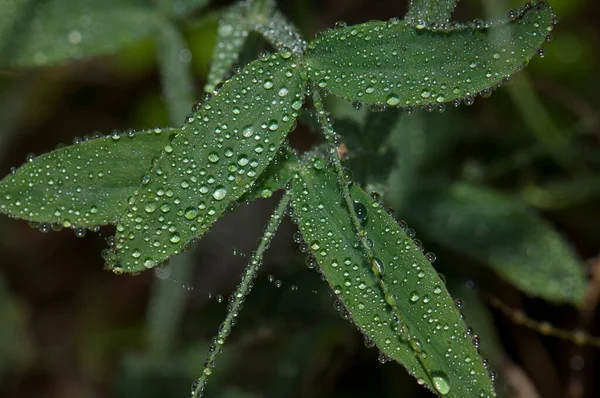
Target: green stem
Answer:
pixel 391 299
pixel 322 117
pixel 240 295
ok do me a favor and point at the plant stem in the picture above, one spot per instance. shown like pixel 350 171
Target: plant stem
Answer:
pixel 329 133
pixel 240 294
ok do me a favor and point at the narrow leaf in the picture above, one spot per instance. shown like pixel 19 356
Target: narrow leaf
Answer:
pixel 275 177
pixel 396 298
pixel 35 33
pixel 281 33
pixel 177 81
pixel 231 34
pixel 211 163
pixel 430 11
pixel 396 64
pixel 82 185
pixel 501 232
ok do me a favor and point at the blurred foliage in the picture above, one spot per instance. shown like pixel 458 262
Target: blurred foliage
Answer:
pixel 71 330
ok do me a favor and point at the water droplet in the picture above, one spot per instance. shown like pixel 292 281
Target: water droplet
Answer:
pixel 220 193
pixel 441 382
pixel 361 212
pixel 190 213
pixel 392 100
pixel 175 238
pixel 268 84
pixel 213 157
pixel 378 266
pixel 248 131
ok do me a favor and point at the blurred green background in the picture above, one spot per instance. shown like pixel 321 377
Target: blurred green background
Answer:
pixel 70 329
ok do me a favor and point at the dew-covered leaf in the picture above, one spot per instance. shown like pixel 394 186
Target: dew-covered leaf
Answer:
pixel 211 163
pixel 430 11
pixel 396 298
pixel 276 175
pixel 34 33
pixel 231 34
pixel 281 33
pixel 504 234
pixel 82 185
pixel 394 63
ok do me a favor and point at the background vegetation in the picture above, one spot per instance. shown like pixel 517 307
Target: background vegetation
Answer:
pixel 70 329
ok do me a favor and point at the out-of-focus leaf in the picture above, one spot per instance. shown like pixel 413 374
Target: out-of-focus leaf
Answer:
pixel 562 194
pixel 82 185
pixel 396 64
pixel 408 141
pixel 181 8
pixel 177 81
pixel 430 11
pixel 231 35
pixel 211 163
pixel 15 345
pixel 396 298
pixel 34 33
pixel 504 234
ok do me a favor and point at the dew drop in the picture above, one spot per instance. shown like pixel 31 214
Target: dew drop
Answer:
pixel 220 193
pixel 392 100
pixel 175 238
pixel 268 84
pixel 441 382
pixel 213 157
pixel 361 212
pixel 190 213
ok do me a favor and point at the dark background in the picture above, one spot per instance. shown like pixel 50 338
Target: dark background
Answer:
pixel 70 329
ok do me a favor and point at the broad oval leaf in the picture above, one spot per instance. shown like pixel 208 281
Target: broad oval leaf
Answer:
pixel 415 321
pixel 394 63
pixel 211 163
pixel 85 184
pixel 430 11
pixel 504 234
pixel 34 33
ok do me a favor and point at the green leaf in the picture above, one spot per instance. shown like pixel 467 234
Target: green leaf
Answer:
pixel 176 77
pixel 231 35
pixel 408 140
pixel 276 175
pixel 430 11
pixel 216 158
pixel 393 63
pixel 281 33
pixel 34 33
pixel 506 235
pixel 82 185
pixel 181 8
pixel 396 298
